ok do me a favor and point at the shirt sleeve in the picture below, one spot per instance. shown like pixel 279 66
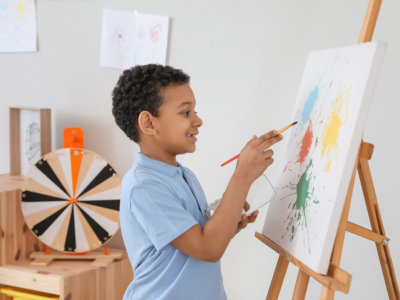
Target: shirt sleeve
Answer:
pixel 160 213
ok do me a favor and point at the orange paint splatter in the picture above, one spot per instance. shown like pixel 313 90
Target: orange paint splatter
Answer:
pixel 306 144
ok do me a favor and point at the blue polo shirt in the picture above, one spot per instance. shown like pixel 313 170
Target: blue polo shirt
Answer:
pixel 159 202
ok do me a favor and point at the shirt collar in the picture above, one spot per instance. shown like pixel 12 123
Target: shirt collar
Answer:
pixel 157 165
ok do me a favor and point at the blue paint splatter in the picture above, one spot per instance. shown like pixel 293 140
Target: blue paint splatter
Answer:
pixel 308 106
pixel 4 6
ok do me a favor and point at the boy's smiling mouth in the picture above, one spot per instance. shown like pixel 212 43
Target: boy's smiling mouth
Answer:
pixel 193 136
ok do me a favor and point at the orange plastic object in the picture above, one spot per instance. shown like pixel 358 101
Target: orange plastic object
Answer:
pixel 106 252
pixel 76 159
pixel 79 253
pixel 46 250
pixel 73 137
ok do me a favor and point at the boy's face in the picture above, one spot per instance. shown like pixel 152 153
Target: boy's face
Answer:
pixel 177 122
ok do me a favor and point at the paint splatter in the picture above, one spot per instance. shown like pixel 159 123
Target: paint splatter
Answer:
pixel 287 166
pixel 4 6
pixel 155 33
pixel 21 11
pixel 141 33
pixel 332 127
pixel 308 106
pixel 306 143
pixel 305 146
pixel 299 204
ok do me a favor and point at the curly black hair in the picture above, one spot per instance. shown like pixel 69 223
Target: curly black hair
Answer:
pixel 138 89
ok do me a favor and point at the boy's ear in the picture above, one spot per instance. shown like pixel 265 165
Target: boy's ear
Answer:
pixel 146 123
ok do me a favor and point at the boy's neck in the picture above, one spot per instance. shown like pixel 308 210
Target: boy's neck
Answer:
pixel 158 155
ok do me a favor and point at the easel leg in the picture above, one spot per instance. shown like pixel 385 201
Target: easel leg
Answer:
pixel 301 286
pixel 277 279
pixel 328 294
pixel 377 226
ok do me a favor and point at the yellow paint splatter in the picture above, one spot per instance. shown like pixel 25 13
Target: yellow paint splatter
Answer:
pixel 21 11
pixel 331 130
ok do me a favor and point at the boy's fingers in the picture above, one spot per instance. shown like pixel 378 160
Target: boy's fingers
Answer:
pixel 269 161
pixel 262 138
pixel 243 222
pixel 254 137
pixel 268 153
pixel 243 219
pixel 253 216
pixel 246 206
pixel 269 142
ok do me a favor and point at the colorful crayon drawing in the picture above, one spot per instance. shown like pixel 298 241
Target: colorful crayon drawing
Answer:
pixel 130 39
pixel 29 139
pixel 321 150
pixel 17 26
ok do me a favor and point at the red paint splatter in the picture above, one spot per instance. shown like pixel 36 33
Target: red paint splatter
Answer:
pixel 306 144
pixel 284 170
pixel 155 33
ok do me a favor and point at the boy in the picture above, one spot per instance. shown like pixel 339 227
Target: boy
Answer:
pixel 174 248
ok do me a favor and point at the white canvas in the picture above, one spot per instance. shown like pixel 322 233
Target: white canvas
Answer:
pixel 129 39
pixel 17 26
pixel 321 150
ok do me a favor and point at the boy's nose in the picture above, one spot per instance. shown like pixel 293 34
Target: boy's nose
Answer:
pixel 198 121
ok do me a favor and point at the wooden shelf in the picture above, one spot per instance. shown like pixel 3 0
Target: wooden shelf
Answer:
pixel 71 279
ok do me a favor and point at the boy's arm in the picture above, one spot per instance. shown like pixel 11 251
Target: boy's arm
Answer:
pixel 208 243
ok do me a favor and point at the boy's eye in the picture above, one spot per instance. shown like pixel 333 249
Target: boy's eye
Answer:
pixel 187 113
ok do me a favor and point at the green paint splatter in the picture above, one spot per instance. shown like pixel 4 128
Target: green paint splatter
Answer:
pixel 298 207
pixel 141 33
pixel 302 190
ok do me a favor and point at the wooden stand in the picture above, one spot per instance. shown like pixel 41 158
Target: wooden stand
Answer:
pixel 338 279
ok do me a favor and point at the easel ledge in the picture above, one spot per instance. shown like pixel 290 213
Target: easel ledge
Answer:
pixel 337 278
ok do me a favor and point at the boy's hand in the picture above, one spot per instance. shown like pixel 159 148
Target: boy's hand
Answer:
pixel 244 220
pixel 256 157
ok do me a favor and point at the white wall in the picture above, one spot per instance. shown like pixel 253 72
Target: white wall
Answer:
pixel 245 59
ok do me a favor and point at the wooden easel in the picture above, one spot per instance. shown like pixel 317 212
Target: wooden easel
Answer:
pixel 338 279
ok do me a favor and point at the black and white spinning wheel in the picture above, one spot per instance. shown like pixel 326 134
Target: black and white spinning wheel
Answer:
pixel 71 200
